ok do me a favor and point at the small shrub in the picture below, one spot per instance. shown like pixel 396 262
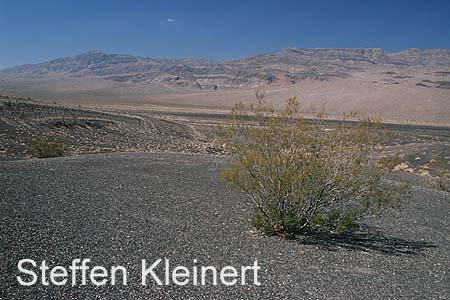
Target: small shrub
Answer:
pixel 47 149
pixel 389 163
pixel 304 176
pixel 441 170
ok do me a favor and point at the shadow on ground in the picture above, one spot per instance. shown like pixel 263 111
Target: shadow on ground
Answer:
pixel 365 241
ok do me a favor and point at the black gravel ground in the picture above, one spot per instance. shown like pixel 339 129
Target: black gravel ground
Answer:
pixel 120 208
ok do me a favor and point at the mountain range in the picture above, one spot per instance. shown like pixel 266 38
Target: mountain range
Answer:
pixel 288 66
pixel 409 86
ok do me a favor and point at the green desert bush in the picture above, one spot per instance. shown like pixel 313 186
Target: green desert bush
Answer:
pixel 302 175
pixel 46 149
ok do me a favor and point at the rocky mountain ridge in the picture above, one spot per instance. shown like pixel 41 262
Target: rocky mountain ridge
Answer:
pixel 288 66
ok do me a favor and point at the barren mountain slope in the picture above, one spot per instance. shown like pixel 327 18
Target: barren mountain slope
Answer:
pixel 408 86
pixel 288 66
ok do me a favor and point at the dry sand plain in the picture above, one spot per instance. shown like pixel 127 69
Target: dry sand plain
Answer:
pixel 394 94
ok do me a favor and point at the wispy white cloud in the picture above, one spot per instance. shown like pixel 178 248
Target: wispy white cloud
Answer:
pixel 168 20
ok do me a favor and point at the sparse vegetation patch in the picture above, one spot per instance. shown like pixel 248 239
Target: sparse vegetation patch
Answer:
pixel 46 149
pixel 441 170
pixel 304 176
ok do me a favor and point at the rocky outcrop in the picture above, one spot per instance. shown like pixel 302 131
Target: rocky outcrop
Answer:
pixel 416 57
pixel 371 55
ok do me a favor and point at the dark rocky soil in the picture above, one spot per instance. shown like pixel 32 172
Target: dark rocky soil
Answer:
pixel 24 122
pixel 121 208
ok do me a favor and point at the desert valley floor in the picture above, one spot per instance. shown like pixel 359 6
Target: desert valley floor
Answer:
pixel 140 176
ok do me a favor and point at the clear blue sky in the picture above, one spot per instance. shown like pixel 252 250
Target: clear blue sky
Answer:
pixel 36 30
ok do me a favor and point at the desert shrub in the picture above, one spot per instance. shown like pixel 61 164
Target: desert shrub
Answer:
pixel 302 175
pixel 441 171
pixel 389 162
pixel 46 149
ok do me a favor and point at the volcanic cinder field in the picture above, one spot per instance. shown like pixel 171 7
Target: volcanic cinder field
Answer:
pixel 117 209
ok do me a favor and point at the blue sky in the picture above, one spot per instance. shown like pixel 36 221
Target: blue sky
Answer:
pixel 33 31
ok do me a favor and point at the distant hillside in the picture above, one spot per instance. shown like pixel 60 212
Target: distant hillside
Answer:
pixel 286 67
pixel 411 86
